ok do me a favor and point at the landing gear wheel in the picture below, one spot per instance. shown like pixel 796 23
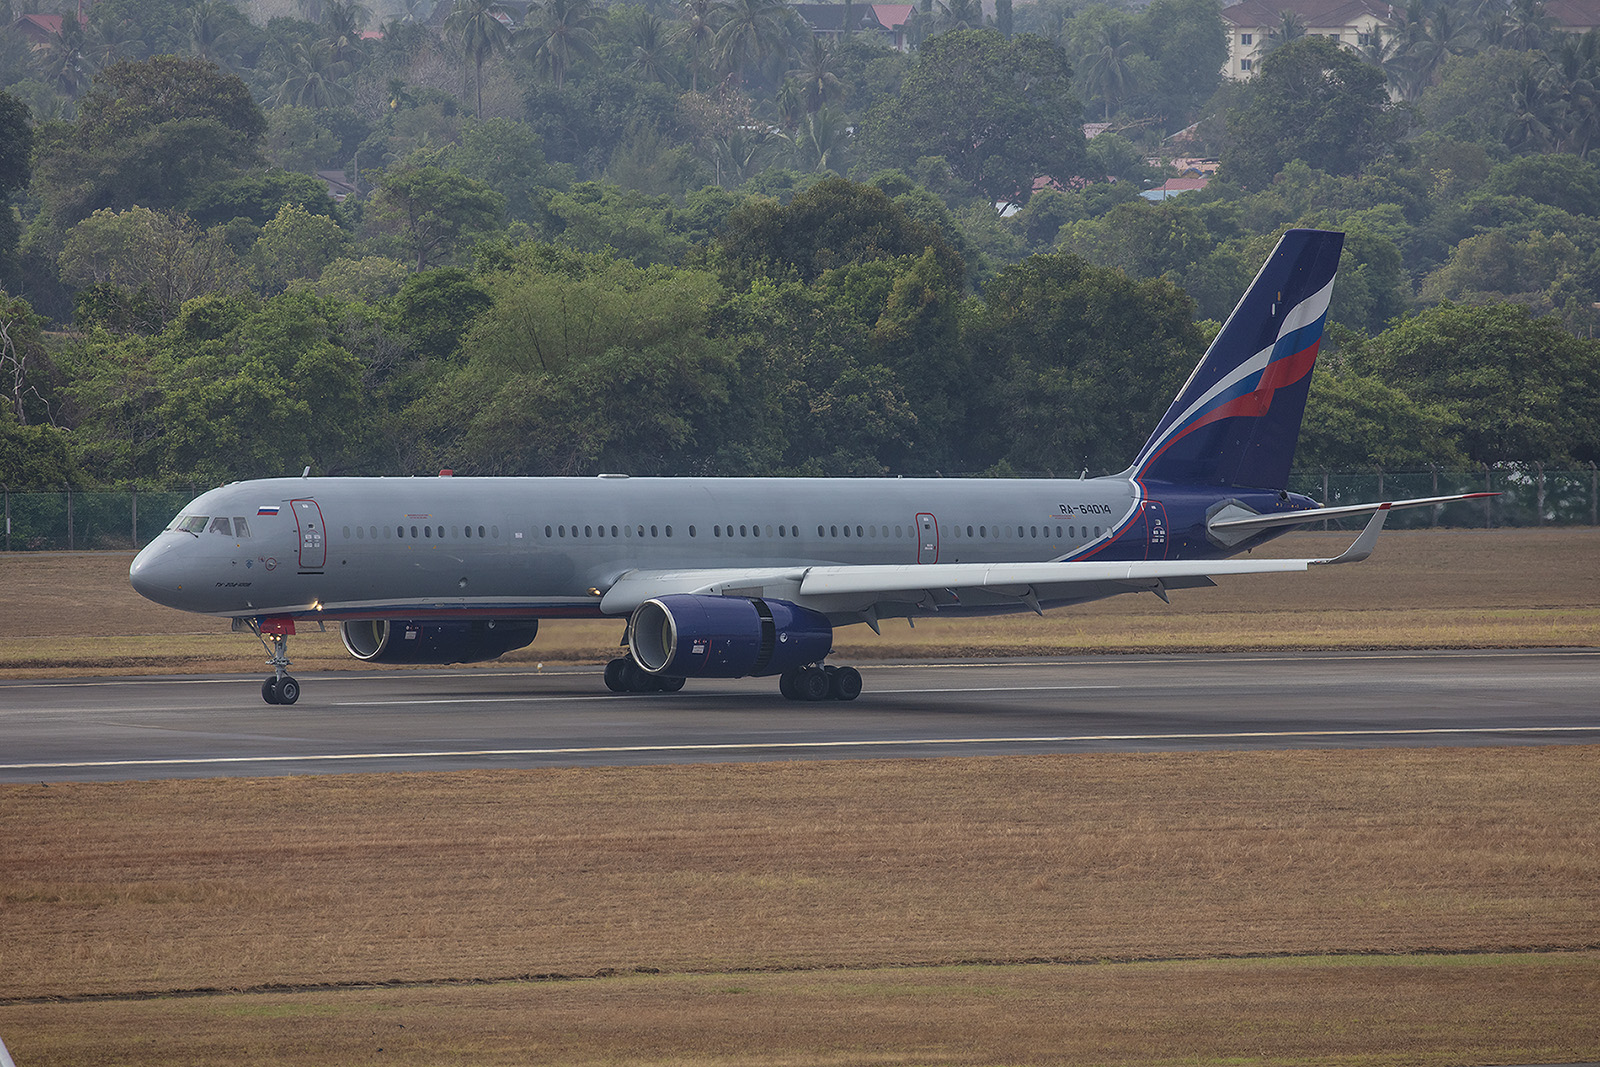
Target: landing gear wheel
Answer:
pixel 844 683
pixel 811 683
pixel 614 676
pixel 269 691
pixel 288 690
pixel 786 684
pixel 670 685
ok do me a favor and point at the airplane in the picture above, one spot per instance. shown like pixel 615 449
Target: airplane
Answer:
pixel 736 577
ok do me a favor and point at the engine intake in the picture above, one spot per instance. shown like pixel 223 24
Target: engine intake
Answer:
pixel 691 636
pixel 402 641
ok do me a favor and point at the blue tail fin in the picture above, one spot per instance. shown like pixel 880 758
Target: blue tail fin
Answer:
pixel 1237 419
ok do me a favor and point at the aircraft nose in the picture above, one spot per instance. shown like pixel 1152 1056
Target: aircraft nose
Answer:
pixel 157 572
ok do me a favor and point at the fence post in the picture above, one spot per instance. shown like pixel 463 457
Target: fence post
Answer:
pixel 1539 467
pixel 134 508
pixel 1594 497
pixel 70 542
pixel 1380 483
pixel 8 518
pixel 1433 512
pixel 1488 487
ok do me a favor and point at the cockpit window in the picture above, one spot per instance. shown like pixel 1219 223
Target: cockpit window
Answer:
pixel 193 523
pixel 220 525
pixel 241 529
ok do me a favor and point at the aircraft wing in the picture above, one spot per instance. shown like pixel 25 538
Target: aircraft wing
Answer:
pixel 859 590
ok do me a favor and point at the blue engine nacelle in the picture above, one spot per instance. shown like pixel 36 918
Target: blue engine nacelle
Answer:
pixel 401 641
pixel 690 636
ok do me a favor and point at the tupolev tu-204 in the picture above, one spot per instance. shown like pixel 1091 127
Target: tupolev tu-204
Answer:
pixel 729 577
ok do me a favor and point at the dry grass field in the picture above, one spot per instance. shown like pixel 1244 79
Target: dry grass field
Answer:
pixel 1438 906
pixel 1343 907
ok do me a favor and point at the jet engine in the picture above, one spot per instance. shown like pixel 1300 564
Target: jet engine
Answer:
pixel 690 636
pixel 401 641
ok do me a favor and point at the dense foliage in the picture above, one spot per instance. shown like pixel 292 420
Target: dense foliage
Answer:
pixel 695 237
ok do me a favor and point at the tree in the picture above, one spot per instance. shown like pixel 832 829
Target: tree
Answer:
pixel 163 257
pixel 295 245
pixel 1001 113
pixel 560 32
pixel 433 210
pixel 151 134
pixel 749 31
pixel 1522 388
pixel 832 224
pixel 1313 101
pixel 476 25
pixel 16 146
pixel 1082 361
pixel 697 31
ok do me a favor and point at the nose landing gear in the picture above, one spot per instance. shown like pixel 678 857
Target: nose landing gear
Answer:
pixel 273 633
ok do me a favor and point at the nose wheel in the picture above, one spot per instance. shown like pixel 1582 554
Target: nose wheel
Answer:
pixel 274 633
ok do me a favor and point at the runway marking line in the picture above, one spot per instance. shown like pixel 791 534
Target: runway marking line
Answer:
pixel 788 746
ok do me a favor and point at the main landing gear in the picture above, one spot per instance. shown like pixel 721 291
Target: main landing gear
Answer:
pixel 820 682
pixel 814 682
pixel 273 634
pixel 625 676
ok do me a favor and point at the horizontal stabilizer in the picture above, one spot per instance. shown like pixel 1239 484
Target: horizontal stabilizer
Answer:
pixel 1251 523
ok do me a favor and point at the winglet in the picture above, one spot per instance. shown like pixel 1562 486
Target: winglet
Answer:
pixel 1363 546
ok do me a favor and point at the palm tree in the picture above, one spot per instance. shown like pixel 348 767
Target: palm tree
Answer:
pixel 1290 27
pixel 1436 37
pixel 342 23
pixel 211 32
pixel 650 59
pixel 751 30
pixel 1527 25
pixel 1534 115
pixel 815 75
pixel 110 39
pixel 1108 71
pixel 479 26
pixel 698 31
pixel 60 62
pixel 1575 76
pixel 560 31
pixel 313 78
pixel 958 15
pixel 823 141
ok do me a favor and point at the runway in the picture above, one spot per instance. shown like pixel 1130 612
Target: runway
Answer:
pixel 453 719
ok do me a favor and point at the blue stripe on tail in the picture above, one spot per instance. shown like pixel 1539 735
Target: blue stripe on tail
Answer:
pixel 1237 420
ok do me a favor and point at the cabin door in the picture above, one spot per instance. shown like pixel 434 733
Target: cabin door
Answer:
pixel 313 539
pixel 927 539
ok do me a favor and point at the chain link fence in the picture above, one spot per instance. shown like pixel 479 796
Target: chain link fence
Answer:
pixel 74 520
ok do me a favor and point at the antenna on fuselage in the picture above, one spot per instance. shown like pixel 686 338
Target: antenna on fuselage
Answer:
pixel 306 473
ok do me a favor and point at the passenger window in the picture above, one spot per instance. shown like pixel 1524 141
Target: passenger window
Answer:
pixel 691 531
pixel 547 531
pixel 494 531
pixel 588 531
pixel 361 533
pixel 847 531
pixel 669 531
pixel 834 530
pixel 347 533
pixel 821 532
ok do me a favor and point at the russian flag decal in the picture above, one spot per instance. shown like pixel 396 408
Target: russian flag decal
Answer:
pixel 267 509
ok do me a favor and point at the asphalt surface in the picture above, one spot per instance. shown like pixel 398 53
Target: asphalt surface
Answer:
pixel 450 719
